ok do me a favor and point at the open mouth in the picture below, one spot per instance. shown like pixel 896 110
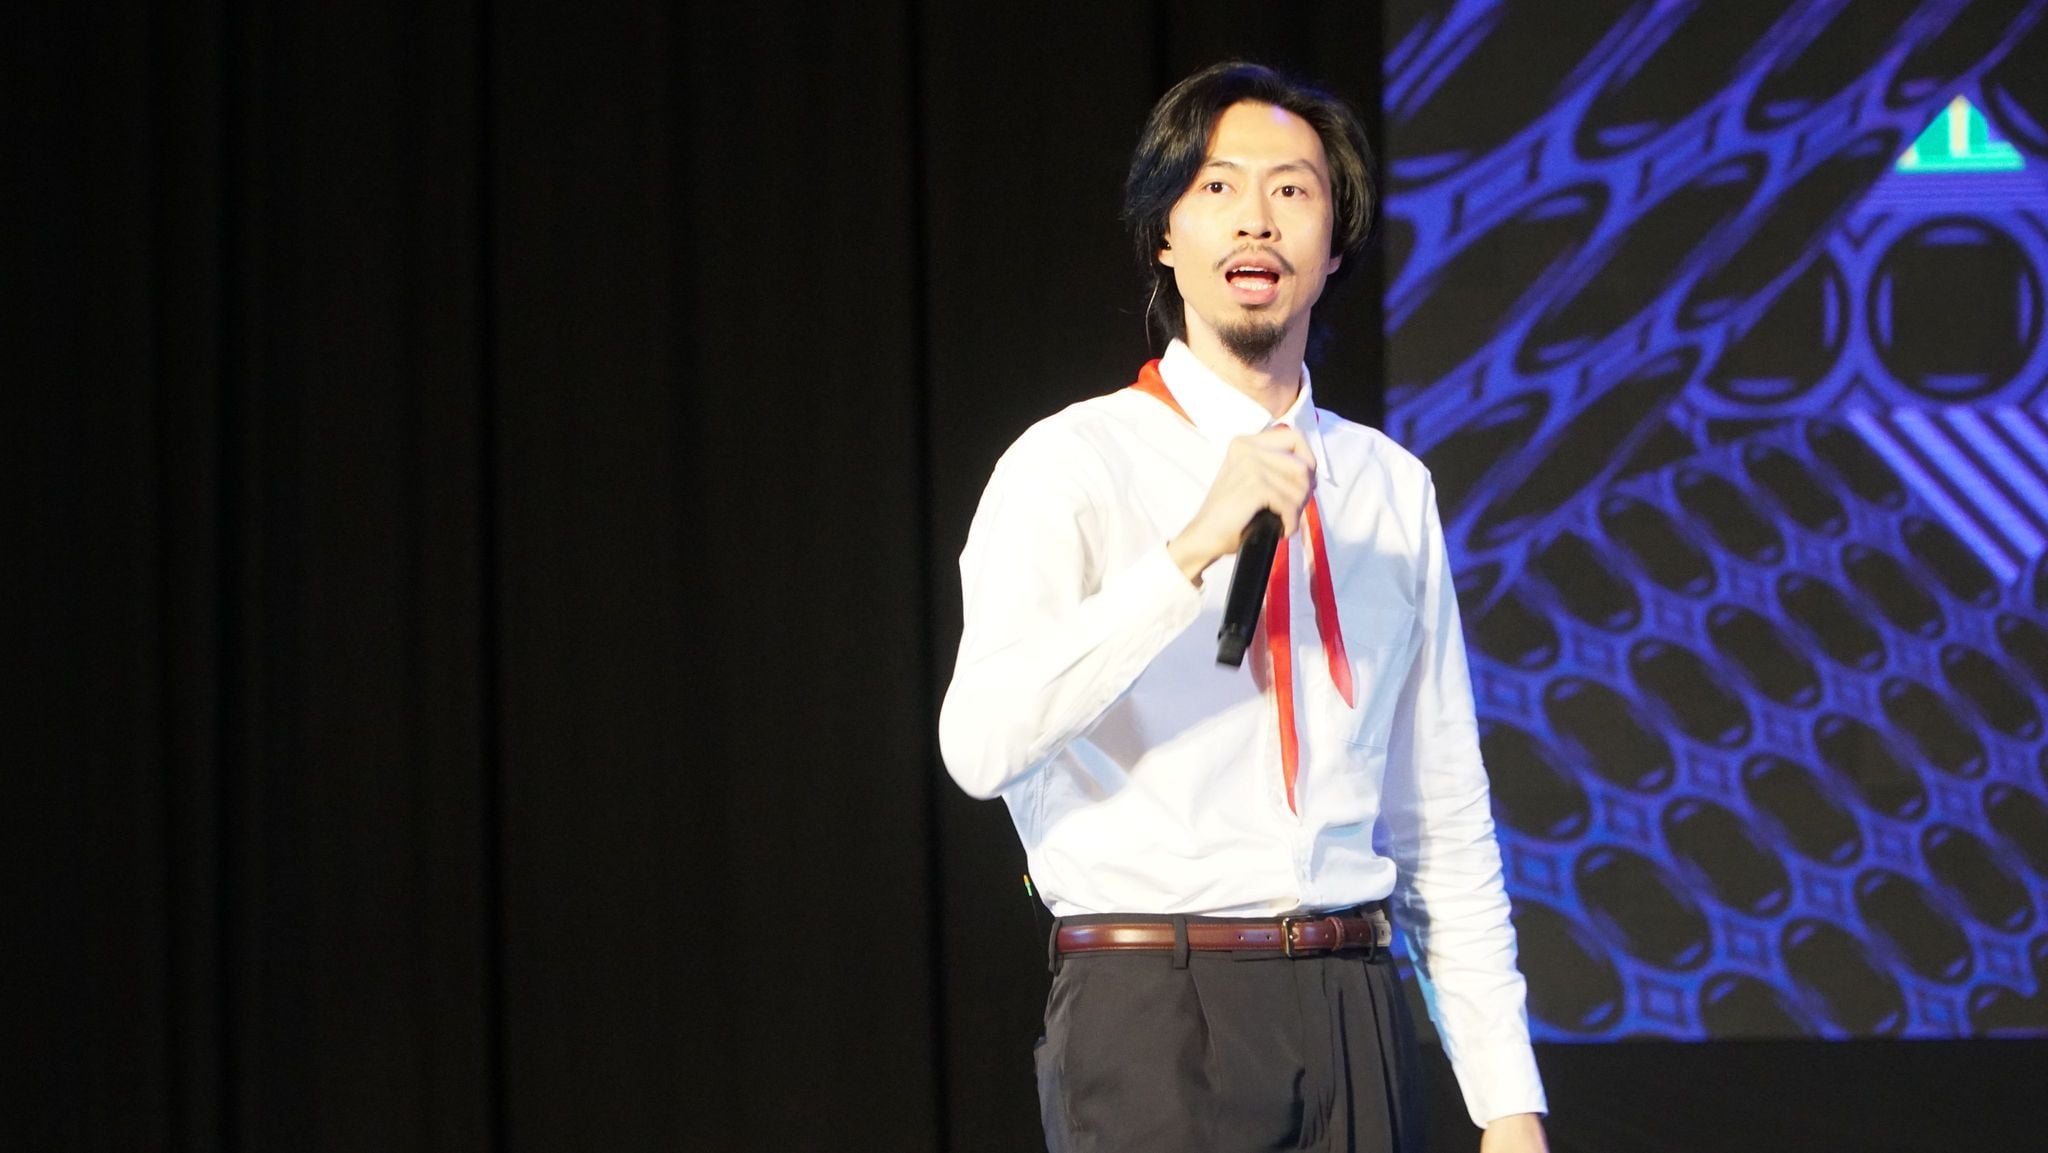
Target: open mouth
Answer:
pixel 1253 284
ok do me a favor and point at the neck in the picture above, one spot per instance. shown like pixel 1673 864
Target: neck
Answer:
pixel 1273 383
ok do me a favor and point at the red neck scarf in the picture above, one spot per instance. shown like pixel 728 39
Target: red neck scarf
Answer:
pixel 1276 619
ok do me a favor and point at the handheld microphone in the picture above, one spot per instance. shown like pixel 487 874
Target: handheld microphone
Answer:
pixel 1247 587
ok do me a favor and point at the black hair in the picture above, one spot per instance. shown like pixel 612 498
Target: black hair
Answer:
pixel 1175 143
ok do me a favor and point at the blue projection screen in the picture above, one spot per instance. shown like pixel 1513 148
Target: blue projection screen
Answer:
pixel 1721 329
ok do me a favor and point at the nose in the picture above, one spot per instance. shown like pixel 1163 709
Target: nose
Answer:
pixel 1255 220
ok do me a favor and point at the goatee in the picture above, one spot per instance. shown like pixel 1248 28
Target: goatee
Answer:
pixel 1252 342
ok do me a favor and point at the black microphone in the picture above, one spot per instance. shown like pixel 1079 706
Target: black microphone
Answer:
pixel 1247 587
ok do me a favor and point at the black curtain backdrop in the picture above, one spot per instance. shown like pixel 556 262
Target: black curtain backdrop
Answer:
pixel 484 483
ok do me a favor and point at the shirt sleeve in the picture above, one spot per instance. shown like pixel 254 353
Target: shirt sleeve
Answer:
pixel 1448 896
pixel 1047 644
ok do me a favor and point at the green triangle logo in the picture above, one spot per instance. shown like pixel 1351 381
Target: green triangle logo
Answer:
pixel 1960 140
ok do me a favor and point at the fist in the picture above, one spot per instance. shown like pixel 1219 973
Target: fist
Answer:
pixel 1272 470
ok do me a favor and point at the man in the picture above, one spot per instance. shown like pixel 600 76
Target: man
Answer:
pixel 1222 847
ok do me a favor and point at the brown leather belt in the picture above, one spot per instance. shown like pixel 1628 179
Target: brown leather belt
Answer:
pixel 1366 930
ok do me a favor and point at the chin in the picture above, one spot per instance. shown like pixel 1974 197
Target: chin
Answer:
pixel 1252 340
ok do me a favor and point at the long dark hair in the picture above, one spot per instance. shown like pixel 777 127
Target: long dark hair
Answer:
pixel 1175 142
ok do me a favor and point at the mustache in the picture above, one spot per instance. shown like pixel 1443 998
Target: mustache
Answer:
pixel 1265 254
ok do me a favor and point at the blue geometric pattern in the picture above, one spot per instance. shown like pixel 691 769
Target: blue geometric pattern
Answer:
pixel 1738 434
pixel 1986 472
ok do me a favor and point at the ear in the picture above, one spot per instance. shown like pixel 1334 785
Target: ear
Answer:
pixel 1166 249
pixel 1336 262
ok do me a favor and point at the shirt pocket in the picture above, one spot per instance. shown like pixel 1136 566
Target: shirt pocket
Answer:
pixel 1380 655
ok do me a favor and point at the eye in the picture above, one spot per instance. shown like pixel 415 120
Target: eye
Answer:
pixel 1213 186
pixel 1292 190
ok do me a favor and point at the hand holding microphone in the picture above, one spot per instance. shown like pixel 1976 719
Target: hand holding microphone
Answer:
pixel 1270 473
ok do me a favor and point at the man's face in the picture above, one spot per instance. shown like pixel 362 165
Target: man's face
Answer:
pixel 1249 241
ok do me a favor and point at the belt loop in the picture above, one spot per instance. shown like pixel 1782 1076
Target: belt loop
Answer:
pixel 1180 942
pixel 1052 949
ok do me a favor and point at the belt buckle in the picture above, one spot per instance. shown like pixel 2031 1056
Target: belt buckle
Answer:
pixel 1287 925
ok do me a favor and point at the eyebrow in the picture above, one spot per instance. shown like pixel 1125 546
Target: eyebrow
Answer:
pixel 1283 166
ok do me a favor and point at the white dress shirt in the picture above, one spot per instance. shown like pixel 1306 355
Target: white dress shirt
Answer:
pixel 1144 777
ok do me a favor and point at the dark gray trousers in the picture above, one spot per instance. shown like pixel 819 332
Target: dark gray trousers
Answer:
pixel 1230 1052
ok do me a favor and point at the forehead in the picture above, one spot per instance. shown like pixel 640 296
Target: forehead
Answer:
pixel 1254 135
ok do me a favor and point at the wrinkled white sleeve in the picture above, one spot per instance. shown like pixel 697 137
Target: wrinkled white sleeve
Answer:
pixel 1048 641
pixel 1449 897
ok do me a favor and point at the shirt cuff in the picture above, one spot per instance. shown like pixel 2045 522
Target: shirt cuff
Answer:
pixel 1155 581
pixel 1500 1081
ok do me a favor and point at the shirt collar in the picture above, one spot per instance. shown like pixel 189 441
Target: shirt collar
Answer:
pixel 1221 413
